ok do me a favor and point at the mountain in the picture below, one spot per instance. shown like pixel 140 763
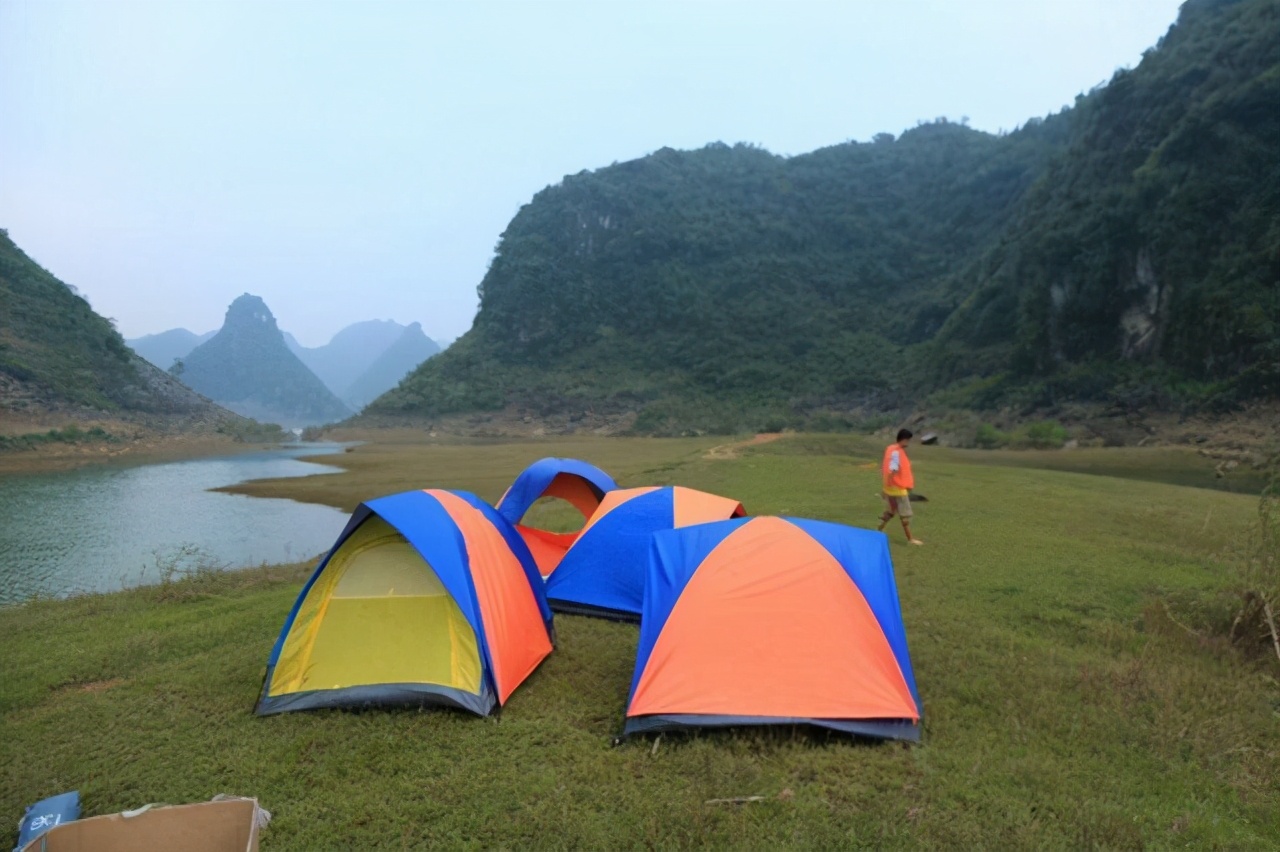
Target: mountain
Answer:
pixel 1148 255
pixel 60 360
pixel 1123 249
pixel 361 362
pixel 350 352
pixel 409 350
pixel 168 346
pixel 685 285
pixel 248 368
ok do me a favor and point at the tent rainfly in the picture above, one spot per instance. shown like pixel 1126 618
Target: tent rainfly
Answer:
pixel 768 620
pixel 602 574
pixel 578 483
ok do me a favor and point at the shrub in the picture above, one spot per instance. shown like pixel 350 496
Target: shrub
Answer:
pixel 1044 435
pixel 989 437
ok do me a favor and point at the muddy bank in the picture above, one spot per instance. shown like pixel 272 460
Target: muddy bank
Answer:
pixel 131 449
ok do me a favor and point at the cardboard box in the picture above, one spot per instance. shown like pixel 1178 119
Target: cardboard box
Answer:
pixel 230 825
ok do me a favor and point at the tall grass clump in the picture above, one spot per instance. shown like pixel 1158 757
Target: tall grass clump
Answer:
pixel 1255 626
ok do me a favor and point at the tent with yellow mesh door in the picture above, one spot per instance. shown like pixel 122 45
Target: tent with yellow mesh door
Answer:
pixel 427 598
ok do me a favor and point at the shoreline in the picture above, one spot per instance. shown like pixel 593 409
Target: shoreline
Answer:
pixel 57 458
pixel 1242 439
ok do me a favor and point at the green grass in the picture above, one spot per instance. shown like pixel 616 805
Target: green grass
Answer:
pixel 1064 705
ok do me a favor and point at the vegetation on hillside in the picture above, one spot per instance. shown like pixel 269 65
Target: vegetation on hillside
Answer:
pixel 60 359
pixel 1125 247
pixel 50 337
pixel 1154 240
pixel 70 435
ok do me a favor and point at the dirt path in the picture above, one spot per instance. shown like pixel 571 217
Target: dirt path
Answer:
pixel 731 451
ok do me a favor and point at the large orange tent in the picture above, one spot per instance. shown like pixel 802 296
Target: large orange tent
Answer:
pixel 771 620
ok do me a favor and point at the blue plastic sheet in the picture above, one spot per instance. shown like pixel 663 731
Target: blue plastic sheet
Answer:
pixel 46 814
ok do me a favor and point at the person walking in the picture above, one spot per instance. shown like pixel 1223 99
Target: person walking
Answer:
pixel 895 472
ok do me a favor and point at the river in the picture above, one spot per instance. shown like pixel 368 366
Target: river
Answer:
pixel 104 528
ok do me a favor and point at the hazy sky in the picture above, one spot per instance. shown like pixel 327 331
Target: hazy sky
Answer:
pixel 359 160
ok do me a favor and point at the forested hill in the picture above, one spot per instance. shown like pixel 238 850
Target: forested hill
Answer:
pixel 51 339
pixel 59 357
pixel 1154 239
pixel 1130 241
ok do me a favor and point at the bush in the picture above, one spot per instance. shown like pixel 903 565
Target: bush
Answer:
pixel 1043 435
pixel 253 432
pixel 989 437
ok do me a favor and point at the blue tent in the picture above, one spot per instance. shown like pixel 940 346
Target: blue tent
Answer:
pixel 602 574
pixel 539 480
pixel 580 484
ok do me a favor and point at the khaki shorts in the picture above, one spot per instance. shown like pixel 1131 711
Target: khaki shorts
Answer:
pixel 900 506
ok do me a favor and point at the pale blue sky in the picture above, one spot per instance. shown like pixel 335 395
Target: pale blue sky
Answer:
pixel 350 161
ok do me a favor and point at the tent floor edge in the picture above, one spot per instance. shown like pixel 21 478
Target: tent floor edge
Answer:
pixel 406 695
pixel 906 730
pixel 562 607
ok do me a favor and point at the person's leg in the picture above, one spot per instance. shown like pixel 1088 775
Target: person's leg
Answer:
pixel 905 513
pixel 888 513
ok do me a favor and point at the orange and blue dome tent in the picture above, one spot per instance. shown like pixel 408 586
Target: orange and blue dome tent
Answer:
pixel 427 598
pixel 603 572
pixel 578 483
pixel 770 620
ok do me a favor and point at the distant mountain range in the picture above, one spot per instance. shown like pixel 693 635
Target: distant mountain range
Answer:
pixel 360 363
pixel 168 346
pixel 349 353
pixel 399 359
pixel 366 359
pixel 248 368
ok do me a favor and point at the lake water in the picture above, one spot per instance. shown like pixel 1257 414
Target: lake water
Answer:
pixel 103 528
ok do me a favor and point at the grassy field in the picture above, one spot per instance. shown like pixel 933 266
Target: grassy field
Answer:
pixel 1064 630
